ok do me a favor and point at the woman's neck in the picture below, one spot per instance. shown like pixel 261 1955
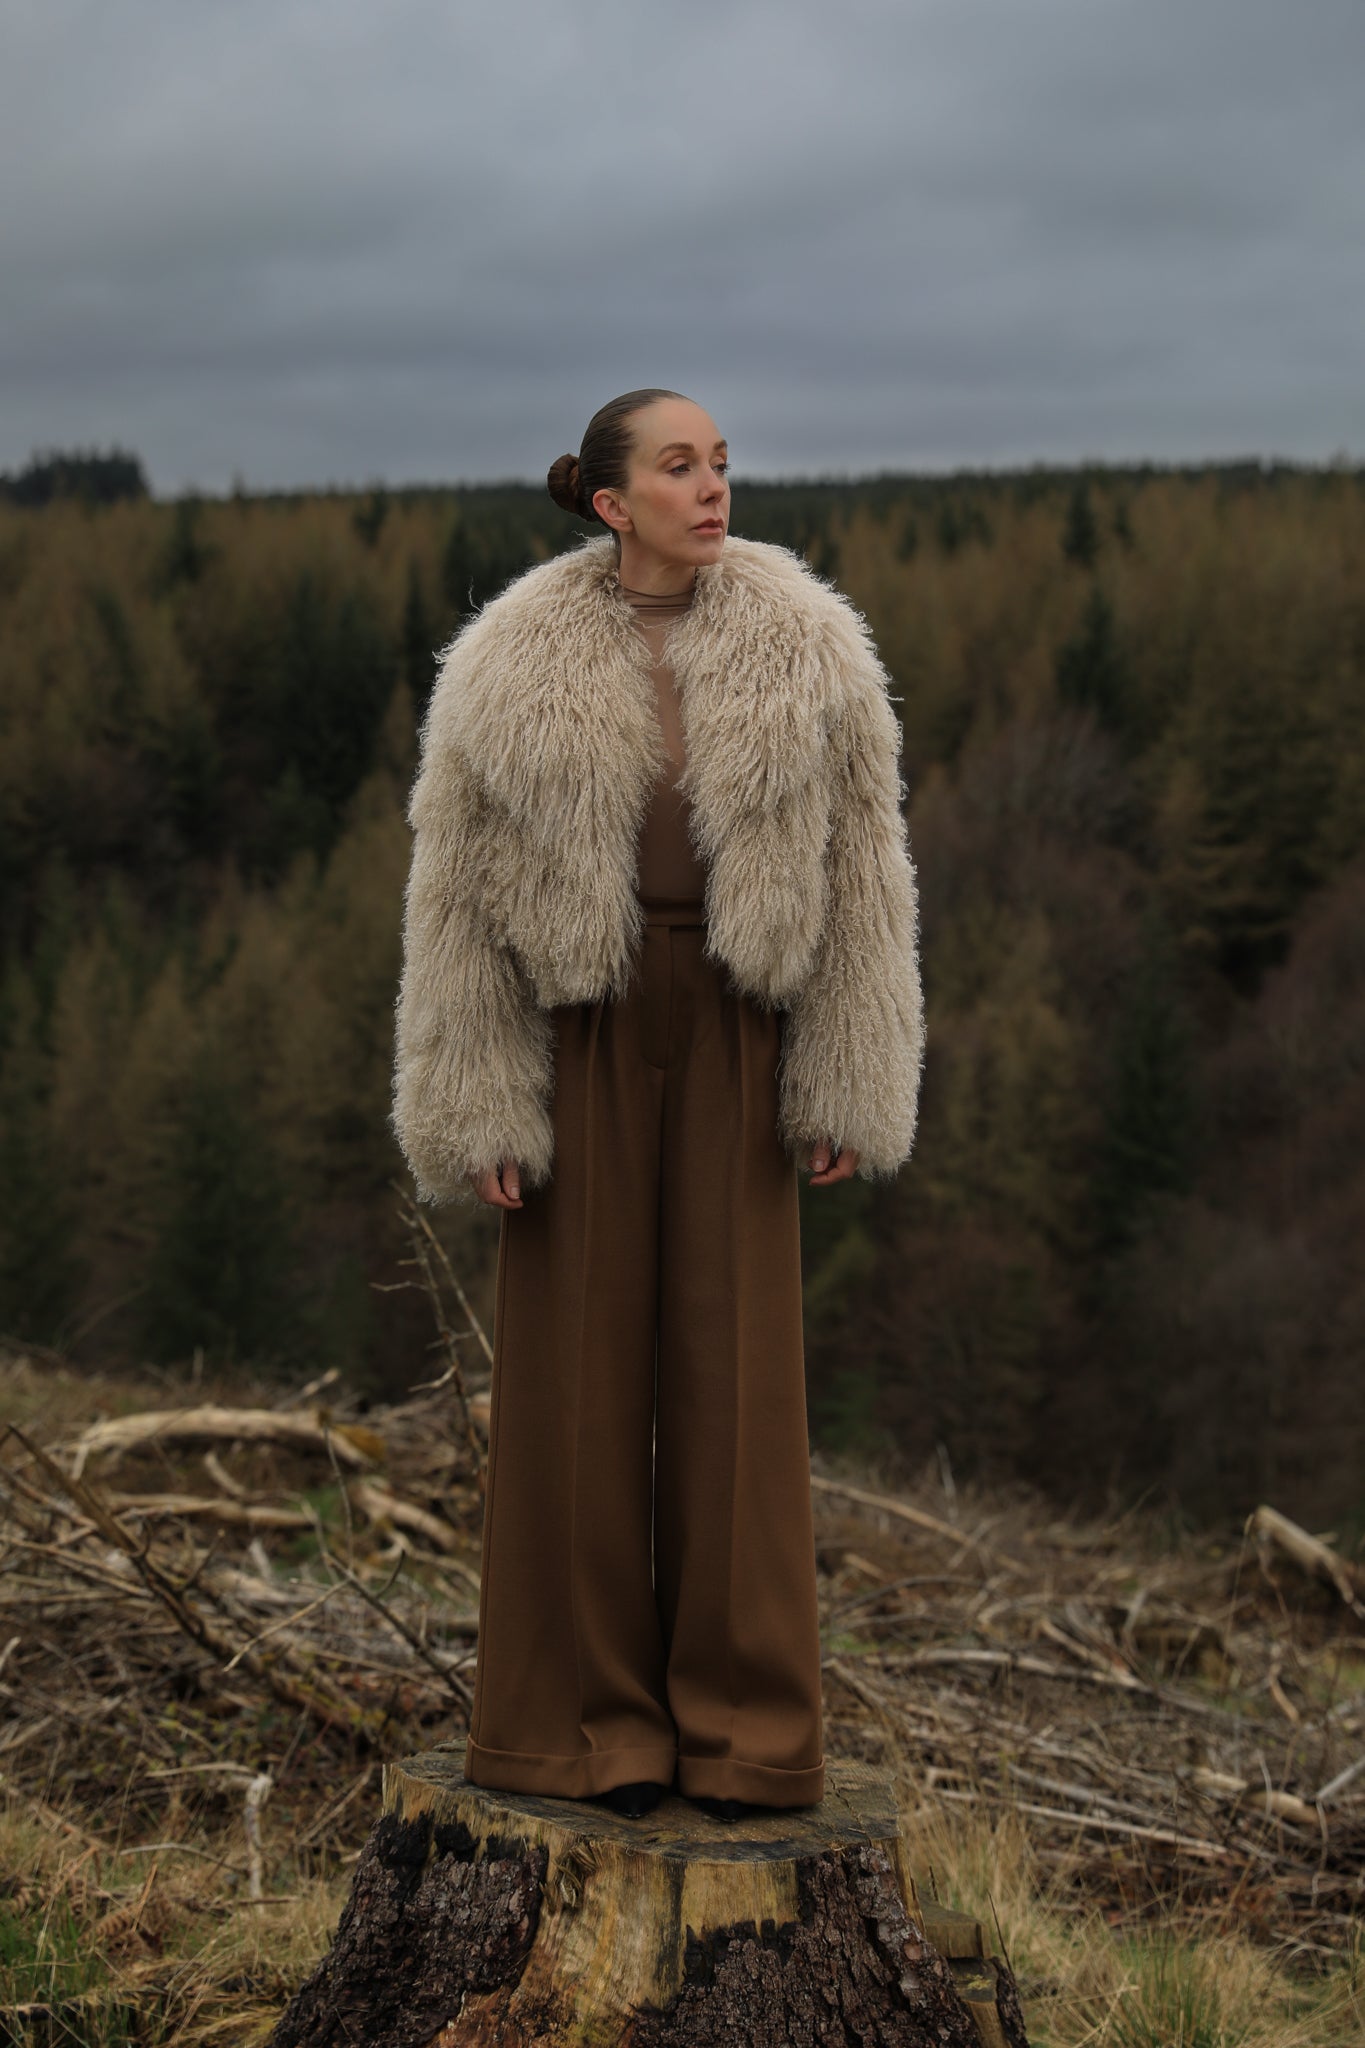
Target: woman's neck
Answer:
pixel 653 575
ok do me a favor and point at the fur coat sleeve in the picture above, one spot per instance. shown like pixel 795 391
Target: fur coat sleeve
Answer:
pixel 474 1055
pixel 853 1037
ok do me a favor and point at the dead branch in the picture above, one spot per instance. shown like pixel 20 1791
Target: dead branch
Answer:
pixel 428 1253
pixel 352 1444
pixel 888 1504
pixel 382 1506
pixel 1274 1530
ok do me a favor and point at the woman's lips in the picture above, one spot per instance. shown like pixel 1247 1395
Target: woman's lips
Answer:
pixel 710 526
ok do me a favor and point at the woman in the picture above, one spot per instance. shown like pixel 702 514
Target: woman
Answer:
pixel 660 951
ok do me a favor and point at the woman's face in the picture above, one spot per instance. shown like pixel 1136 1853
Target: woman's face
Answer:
pixel 675 509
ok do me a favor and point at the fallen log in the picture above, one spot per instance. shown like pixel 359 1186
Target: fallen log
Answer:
pixel 353 1444
pixel 478 1916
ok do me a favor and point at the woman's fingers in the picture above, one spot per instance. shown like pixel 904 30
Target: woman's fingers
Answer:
pixel 823 1174
pixel 500 1189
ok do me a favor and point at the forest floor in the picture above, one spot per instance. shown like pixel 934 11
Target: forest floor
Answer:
pixel 1138 1756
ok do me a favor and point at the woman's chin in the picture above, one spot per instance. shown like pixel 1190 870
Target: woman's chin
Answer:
pixel 688 550
pixel 706 547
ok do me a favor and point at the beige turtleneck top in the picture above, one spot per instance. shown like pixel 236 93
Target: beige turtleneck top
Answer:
pixel 669 869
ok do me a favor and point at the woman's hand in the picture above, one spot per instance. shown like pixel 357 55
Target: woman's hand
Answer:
pixel 501 1190
pixel 823 1175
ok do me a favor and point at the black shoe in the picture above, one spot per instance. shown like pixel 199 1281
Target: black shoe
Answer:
pixel 723 1809
pixel 641 1796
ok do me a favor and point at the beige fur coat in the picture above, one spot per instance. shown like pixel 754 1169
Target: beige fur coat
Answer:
pixel 539 749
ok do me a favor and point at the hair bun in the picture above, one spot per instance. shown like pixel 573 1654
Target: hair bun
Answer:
pixel 563 483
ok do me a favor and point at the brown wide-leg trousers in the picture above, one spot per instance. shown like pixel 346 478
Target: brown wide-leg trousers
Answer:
pixel 648 1601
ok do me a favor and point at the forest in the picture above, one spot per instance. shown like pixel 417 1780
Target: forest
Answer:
pixel 1124 1261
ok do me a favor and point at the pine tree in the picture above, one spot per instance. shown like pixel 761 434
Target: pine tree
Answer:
pixel 949 530
pixel 1092 669
pixel 368 519
pixel 335 665
pixel 41 1270
pixel 1081 535
pixel 218 1275
pixel 1151 1129
pixel 187 555
pixel 484 550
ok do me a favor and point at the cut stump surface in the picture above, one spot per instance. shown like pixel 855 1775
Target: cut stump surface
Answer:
pixel 479 1916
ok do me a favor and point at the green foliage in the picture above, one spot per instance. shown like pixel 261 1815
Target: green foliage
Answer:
pixel 1152 1136
pixel 1093 672
pixel 484 550
pixel 218 1275
pixel 313 678
pixel 1081 534
pixel 48 1959
pixel 341 1322
pixel 839 1255
pixel 87 475
pixel 1010 1114
pixel 41 1269
pixel 793 516
pixel 368 519
pixel 948 528
pixel 1250 769
pixel 1122 525
pixel 336 672
pixel 120 652
pixel 187 555
pixel 43 935
pixel 188 797
pixel 329 1512
pixel 844 1411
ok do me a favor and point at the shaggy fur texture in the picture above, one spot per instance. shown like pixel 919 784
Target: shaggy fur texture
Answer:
pixel 540 747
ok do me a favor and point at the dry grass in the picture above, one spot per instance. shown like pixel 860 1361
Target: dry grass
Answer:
pixel 152 1946
pixel 1092 1978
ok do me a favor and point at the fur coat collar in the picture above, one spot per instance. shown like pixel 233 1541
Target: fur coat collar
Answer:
pixel 540 747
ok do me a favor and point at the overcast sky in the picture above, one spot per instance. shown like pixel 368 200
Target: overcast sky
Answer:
pixel 314 241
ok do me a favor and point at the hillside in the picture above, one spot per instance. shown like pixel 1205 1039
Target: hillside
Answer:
pixel 1124 1260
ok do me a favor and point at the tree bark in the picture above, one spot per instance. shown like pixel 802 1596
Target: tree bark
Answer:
pixel 482 1917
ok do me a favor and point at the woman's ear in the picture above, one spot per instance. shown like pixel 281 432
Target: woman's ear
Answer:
pixel 610 508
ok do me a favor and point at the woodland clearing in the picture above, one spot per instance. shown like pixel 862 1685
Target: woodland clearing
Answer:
pixel 1139 1753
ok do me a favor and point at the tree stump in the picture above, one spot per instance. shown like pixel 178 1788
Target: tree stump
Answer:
pixel 502 1918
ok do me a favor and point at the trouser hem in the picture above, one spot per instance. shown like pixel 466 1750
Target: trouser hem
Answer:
pixel 584 1777
pixel 730 1777
pixel 567 1777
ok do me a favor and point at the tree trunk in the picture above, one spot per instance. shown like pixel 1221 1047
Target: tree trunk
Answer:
pixel 502 1918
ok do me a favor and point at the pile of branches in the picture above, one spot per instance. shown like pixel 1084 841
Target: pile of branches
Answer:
pixel 252 1597
pixel 1186 1727
pixel 117 1600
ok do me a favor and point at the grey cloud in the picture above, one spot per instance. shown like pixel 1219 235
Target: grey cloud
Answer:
pixel 315 240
